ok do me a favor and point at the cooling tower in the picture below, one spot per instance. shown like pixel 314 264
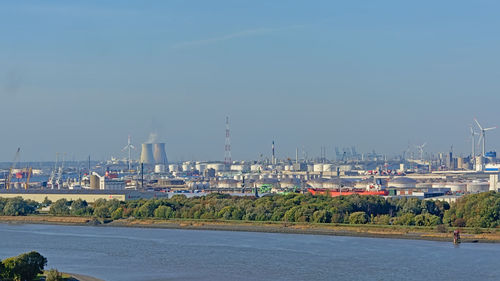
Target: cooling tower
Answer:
pixel 147 153
pixel 159 153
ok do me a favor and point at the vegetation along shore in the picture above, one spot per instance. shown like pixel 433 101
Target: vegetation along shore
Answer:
pixel 477 215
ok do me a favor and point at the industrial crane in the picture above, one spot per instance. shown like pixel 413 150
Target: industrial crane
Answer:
pixel 12 167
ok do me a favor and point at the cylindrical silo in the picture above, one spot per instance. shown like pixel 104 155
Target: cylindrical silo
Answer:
pixel 477 186
pixel 160 168
pixel 147 153
pixel 94 182
pixel 159 153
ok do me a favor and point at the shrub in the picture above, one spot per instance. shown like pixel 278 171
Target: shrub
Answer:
pixel 382 219
pixel 53 275
pixel 358 218
pixel 459 222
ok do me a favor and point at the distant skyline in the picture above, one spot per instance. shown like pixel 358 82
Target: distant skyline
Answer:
pixel 78 77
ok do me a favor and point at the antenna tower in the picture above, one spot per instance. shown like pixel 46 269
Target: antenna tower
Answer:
pixel 227 147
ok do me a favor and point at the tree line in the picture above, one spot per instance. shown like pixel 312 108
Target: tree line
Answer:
pixel 353 209
pixel 477 210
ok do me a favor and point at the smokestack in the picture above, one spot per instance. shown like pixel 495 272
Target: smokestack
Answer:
pixel 147 153
pixel 159 153
pixel 273 159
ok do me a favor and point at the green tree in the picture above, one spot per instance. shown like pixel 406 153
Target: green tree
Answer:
pixel 24 267
pixel 358 218
pixel 60 207
pixel 163 212
pixel 19 207
pixel 102 212
pixel 117 214
pixel 46 202
pixel 321 216
pixel 146 210
pixel 79 208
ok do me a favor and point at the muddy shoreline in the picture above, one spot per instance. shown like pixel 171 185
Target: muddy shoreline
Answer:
pixel 373 231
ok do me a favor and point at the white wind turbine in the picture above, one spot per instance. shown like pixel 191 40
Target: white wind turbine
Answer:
pixel 129 147
pixel 421 150
pixel 482 135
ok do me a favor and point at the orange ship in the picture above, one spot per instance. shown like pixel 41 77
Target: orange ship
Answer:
pixel 337 192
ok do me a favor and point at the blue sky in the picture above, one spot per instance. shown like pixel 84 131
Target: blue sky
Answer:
pixel 79 76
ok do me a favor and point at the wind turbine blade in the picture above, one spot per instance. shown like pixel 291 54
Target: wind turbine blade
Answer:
pixel 423 145
pixel 478 124
pixel 489 129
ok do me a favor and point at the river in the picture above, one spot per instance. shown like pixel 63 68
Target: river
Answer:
pixel 116 253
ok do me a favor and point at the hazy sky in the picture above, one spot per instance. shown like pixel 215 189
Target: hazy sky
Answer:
pixel 79 76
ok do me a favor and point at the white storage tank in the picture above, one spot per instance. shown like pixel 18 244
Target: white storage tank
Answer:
pixel 318 168
pixel 187 166
pixel 290 183
pixel 402 182
pixel 200 167
pixel 228 183
pixel 456 186
pixel 240 167
pixel 477 186
pixel 159 168
pixel 216 166
pixel 173 168
pixel 255 168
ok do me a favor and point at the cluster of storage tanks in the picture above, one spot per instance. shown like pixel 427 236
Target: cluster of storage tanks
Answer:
pixel 469 186
pixel 198 166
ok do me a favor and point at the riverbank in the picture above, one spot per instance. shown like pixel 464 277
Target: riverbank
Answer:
pixel 80 277
pixel 367 230
pixel 72 277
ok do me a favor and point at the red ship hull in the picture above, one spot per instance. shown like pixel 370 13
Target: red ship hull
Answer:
pixel 335 193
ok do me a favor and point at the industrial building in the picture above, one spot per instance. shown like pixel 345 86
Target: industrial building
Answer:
pixel 87 195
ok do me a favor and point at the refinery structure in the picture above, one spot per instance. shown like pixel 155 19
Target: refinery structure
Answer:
pixel 413 173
